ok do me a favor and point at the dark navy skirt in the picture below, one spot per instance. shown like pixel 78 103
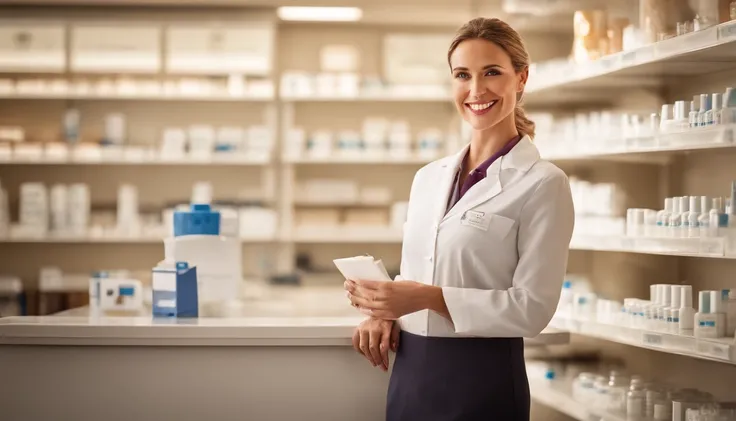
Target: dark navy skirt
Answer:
pixel 458 379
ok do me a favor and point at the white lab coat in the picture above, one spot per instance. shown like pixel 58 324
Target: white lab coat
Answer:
pixel 499 254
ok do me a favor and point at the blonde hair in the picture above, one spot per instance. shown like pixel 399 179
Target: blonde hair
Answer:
pixel 501 34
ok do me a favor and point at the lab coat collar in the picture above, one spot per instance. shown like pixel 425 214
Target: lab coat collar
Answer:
pixel 521 158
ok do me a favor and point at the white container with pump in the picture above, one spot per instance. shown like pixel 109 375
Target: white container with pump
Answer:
pixel 199 241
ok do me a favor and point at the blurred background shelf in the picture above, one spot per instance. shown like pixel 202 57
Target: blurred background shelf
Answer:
pixel 349 160
pixel 709 247
pixel 347 235
pixel 112 240
pixel 137 97
pixel 720 350
pixel 214 161
pixel 559 397
pixel 695 54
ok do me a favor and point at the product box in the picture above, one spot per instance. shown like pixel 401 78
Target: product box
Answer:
pixel 175 291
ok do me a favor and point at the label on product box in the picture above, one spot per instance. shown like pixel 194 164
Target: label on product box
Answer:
pixel 727 31
pixel 714 350
pixel 118 48
pixel 32 47
pixel 652 339
pixel 227 49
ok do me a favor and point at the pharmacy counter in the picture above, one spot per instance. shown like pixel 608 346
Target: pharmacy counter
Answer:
pixel 254 368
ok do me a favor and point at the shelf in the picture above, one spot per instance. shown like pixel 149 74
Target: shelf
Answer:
pixel 218 160
pixel 107 240
pixel 559 397
pixel 698 53
pixel 342 203
pixel 348 235
pixel 358 160
pixel 651 149
pixel 136 97
pixel 721 350
pixel 367 97
pixel 712 247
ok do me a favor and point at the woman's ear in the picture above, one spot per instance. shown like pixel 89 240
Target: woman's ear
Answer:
pixel 523 77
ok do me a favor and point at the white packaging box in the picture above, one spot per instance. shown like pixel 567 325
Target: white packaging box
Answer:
pixel 258 223
pixel 34 206
pixel 79 208
pixel 201 141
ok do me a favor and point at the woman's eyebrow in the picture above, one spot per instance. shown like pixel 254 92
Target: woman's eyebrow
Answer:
pixel 489 66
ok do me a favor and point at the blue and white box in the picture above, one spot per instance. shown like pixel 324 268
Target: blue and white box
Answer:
pixel 175 291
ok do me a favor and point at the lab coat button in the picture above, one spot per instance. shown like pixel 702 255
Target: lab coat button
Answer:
pixel 430 258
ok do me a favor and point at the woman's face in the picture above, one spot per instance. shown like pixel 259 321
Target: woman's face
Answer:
pixel 485 84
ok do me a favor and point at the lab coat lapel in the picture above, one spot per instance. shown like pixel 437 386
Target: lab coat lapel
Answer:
pixel 503 172
pixel 445 178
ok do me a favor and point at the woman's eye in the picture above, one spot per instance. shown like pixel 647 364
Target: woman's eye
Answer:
pixel 493 73
pixel 462 75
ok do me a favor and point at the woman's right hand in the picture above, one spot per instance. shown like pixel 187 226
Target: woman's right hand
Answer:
pixel 374 337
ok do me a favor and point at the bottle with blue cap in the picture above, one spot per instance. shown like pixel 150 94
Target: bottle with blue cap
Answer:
pixel 199 240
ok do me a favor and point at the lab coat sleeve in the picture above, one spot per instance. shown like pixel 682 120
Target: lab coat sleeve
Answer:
pixel 524 310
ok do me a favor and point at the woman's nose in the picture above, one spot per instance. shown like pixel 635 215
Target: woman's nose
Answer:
pixel 477 88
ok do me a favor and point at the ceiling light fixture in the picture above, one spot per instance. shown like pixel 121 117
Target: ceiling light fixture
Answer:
pixel 320 14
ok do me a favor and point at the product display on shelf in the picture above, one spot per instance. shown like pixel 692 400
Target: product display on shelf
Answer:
pixel 608 392
pixel 667 321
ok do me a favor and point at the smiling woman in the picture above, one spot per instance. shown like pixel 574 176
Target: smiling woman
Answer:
pixel 484 252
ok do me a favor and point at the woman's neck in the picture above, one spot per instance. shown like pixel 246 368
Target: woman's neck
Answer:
pixel 485 143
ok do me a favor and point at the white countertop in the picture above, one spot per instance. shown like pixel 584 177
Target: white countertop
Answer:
pixel 280 316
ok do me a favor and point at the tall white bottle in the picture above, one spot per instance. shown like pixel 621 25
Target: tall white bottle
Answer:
pixel 690 221
pixel 687 312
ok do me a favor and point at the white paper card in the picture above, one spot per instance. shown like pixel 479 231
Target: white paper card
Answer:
pixel 32 47
pixel 362 268
pixel 116 48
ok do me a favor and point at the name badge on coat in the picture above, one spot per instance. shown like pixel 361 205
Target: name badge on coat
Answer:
pixel 476 219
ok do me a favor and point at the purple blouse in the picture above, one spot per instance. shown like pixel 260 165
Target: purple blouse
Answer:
pixel 477 174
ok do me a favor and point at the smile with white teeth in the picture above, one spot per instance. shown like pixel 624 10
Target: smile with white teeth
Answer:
pixel 480 107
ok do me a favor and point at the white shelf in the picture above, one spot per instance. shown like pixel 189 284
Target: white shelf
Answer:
pixel 713 247
pixel 342 203
pixel 106 240
pixel 217 160
pixel 358 160
pixel 558 396
pixel 721 350
pixel 347 235
pixel 697 53
pixel 136 97
pixel 368 97
pixel 655 149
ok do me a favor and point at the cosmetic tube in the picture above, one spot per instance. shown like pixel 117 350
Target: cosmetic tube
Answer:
pixel 718 313
pixel 663 217
pixel 687 312
pixel 673 319
pixel 694 111
pixel 705 321
pixel 705 106
pixel 704 218
pixel 693 216
pixel 665 298
pixel 715 114
pixel 718 217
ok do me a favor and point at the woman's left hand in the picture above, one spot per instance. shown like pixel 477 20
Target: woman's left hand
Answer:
pixel 387 300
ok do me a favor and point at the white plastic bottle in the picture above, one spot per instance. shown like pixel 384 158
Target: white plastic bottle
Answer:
pixel 694 112
pixel 674 218
pixel 705 106
pixel 687 312
pixel 704 218
pixel 690 219
pixel 718 217
pixel 663 217
pixel 717 112
pixel 663 312
pixel 673 319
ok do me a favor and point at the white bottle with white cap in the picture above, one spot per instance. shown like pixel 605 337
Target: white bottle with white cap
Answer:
pixel 673 228
pixel 673 318
pixel 663 217
pixel 692 217
pixel 650 310
pixel 687 312
pixel 706 322
pixel 663 311
pixel 704 218
pixel 718 310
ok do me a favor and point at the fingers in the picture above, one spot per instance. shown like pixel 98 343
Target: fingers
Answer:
pixel 385 342
pixel 356 340
pixel 365 346
pixel 373 285
pixel 375 344
pixel 395 334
